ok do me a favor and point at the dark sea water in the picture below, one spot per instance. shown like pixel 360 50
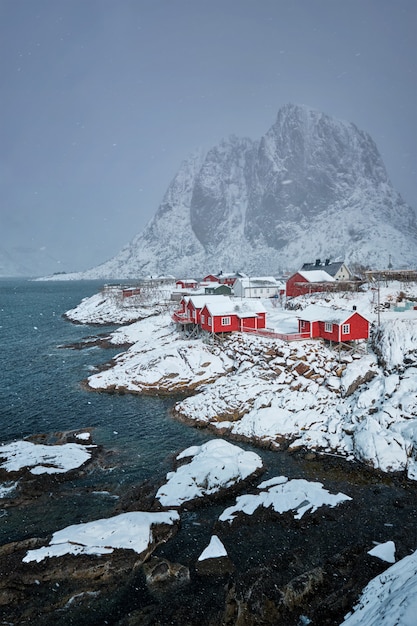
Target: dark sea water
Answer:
pixel 40 392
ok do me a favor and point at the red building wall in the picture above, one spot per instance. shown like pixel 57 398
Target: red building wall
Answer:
pixel 216 322
pixel 359 329
pixel 236 324
pixel 297 285
pixel 253 323
pixel 293 290
pixel 330 336
pixel 193 312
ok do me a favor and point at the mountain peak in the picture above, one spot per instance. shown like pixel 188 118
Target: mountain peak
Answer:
pixel 312 186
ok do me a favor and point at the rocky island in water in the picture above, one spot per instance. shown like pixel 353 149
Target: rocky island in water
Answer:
pixel 335 544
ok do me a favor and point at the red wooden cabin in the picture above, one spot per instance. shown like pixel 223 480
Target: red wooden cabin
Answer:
pixel 186 283
pixel 226 317
pixel 303 282
pixel 332 324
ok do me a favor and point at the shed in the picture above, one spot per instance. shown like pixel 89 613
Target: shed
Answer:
pixel 218 289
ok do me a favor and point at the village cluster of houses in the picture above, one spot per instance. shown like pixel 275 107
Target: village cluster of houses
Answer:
pixel 225 303
pixel 312 277
pixel 240 308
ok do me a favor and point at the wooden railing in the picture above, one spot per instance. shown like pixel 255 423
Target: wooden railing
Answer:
pixel 182 318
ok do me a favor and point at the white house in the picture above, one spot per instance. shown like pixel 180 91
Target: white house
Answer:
pixel 257 287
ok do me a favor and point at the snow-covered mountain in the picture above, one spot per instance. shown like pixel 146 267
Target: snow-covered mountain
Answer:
pixel 311 187
pixel 26 261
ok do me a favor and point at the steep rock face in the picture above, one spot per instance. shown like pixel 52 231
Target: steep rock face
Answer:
pixel 311 187
pixel 219 198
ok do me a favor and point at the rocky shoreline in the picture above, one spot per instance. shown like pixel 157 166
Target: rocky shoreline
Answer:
pixel 278 569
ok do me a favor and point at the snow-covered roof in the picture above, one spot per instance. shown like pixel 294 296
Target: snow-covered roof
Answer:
pixel 316 276
pixel 256 281
pixel 330 268
pixel 316 313
pixel 241 308
pixel 231 275
pixel 199 301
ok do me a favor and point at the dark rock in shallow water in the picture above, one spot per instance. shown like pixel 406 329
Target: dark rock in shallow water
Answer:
pixel 31 486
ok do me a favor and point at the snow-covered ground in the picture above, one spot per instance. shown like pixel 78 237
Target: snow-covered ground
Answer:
pixel 361 405
pixel 109 307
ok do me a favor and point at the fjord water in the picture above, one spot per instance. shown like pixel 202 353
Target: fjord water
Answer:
pixel 41 392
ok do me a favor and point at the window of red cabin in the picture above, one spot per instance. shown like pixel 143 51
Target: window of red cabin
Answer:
pixel 225 321
pixel 345 329
pixel 328 327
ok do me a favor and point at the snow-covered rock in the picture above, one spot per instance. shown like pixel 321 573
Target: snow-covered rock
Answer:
pixel 390 598
pixel 128 531
pixel 395 341
pixel 282 495
pixel 214 550
pixel 215 466
pixel 384 551
pixel 43 459
pixel 357 373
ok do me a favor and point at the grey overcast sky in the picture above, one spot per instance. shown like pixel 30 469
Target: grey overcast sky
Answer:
pixel 101 100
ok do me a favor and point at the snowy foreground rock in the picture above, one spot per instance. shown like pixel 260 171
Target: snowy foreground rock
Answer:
pixel 131 531
pixel 214 466
pixel 282 495
pixel 43 459
pixel 390 598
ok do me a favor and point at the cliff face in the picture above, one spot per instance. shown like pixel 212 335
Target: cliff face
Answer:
pixel 311 187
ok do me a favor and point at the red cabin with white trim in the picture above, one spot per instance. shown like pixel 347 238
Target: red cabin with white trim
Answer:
pixel 332 324
pixel 226 317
